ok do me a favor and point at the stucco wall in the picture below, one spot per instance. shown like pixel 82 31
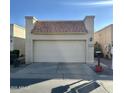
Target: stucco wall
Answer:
pixel 89 23
pixel 19 44
pixel 18 31
pixel 17 35
pixel 104 37
pixel 11 37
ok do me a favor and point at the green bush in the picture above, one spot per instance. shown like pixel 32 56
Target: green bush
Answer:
pixel 17 52
pixel 14 55
pixel 97 47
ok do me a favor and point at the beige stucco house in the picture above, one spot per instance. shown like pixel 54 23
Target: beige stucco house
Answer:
pixel 105 38
pixel 59 41
pixel 17 38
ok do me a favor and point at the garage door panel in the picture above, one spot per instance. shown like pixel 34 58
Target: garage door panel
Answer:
pixel 59 51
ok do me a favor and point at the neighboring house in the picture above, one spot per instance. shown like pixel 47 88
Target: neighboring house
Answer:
pixel 105 38
pixel 59 41
pixel 17 38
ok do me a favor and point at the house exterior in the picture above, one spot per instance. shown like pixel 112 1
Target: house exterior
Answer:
pixel 105 38
pixel 59 41
pixel 17 38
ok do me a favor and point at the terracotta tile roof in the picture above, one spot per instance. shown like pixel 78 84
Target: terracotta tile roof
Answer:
pixel 41 27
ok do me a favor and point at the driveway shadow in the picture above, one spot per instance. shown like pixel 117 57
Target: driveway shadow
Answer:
pixel 18 83
pixel 83 88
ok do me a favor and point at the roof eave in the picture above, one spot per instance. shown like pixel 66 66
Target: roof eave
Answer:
pixel 58 33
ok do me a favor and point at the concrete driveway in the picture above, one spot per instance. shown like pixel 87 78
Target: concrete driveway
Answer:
pixel 55 70
pixel 54 77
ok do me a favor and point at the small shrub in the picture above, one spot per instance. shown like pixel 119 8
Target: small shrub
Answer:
pixel 14 55
pixel 97 47
pixel 17 52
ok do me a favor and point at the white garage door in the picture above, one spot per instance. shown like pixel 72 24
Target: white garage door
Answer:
pixel 59 51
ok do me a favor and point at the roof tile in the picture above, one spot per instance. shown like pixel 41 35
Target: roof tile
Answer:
pixel 59 27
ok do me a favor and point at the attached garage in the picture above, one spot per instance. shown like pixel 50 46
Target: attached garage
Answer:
pixel 59 51
pixel 59 41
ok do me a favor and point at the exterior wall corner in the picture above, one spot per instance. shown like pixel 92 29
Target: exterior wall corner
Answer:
pixel 29 23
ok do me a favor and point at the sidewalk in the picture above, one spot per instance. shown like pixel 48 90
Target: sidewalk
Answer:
pixel 61 86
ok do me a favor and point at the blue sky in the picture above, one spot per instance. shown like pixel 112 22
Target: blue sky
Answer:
pixel 62 10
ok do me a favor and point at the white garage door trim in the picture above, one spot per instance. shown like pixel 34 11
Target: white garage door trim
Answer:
pixel 58 58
